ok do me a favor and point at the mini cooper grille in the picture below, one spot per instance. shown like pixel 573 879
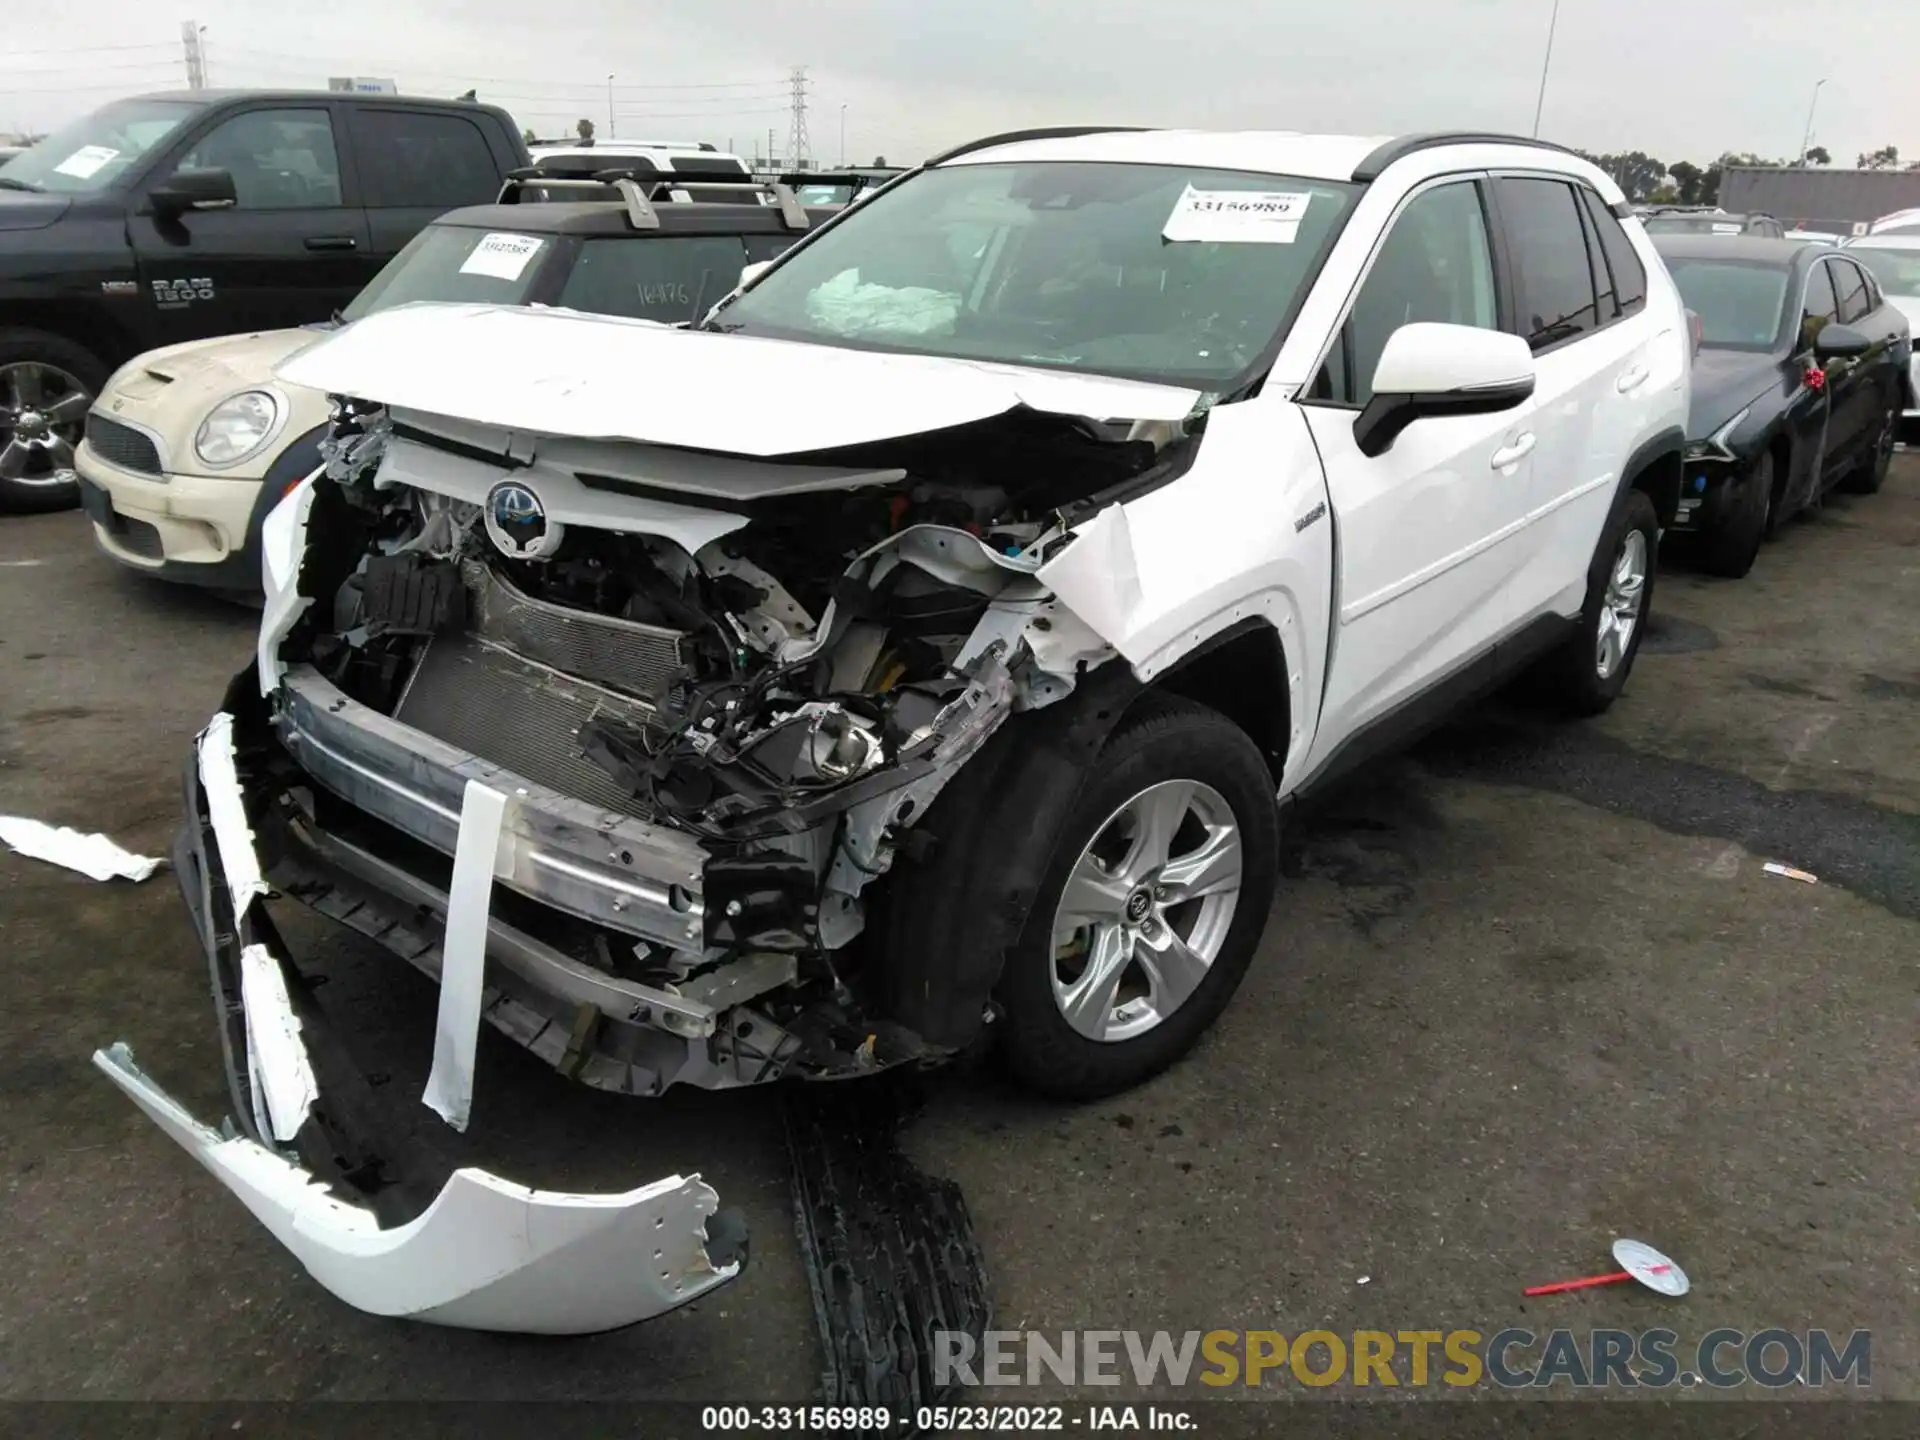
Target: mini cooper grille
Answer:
pixel 122 445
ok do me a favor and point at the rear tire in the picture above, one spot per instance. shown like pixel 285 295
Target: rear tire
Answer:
pixel 1580 677
pixel 42 378
pixel 1730 548
pixel 1162 745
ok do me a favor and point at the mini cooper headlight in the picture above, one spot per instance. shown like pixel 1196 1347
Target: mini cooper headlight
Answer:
pixel 237 427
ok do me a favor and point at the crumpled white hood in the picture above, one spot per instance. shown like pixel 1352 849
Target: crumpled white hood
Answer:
pixel 560 372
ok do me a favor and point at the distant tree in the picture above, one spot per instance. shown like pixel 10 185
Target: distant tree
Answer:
pixel 1689 182
pixel 1664 195
pixel 470 95
pixel 879 162
pixel 528 135
pixel 1637 173
pixel 583 128
pixel 1886 158
pixel 1818 156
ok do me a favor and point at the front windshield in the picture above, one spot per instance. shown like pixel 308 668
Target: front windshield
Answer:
pixel 1897 270
pixel 1739 303
pixel 457 264
pixel 97 149
pixel 1154 272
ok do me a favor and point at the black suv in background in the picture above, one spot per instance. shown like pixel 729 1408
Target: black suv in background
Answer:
pixel 173 217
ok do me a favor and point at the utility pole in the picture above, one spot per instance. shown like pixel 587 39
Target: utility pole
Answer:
pixel 190 33
pixel 798 145
pixel 1546 64
pixel 843 135
pixel 610 130
pixel 1806 138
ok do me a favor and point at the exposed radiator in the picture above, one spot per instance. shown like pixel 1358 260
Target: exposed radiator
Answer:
pixel 639 659
pixel 496 706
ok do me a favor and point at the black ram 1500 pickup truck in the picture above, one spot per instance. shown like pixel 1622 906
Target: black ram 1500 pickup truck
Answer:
pixel 172 217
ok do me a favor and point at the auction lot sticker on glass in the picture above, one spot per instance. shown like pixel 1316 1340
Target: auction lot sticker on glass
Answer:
pixel 503 257
pixel 1259 217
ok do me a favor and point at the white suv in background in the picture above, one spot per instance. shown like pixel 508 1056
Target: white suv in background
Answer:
pixel 1102 492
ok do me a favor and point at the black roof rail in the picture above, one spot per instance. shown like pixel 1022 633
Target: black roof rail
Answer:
pixel 1370 168
pixel 1011 137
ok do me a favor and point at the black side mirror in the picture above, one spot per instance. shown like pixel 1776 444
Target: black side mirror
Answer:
pixel 1840 342
pixel 186 190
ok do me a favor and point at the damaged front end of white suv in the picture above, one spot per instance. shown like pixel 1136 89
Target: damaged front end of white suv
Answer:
pixel 617 740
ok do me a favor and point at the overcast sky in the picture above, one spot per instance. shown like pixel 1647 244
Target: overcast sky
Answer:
pixel 1677 78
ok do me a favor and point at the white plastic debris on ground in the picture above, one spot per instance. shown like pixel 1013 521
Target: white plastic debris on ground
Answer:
pixel 94 856
pixel 847 307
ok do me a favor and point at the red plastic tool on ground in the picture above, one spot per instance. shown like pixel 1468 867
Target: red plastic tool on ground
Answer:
pixel 1640 1262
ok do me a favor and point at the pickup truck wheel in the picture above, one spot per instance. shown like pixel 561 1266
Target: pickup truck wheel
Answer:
pixel 1150 907
pixel 1589 670
pixel 1731 547
pixel 47 386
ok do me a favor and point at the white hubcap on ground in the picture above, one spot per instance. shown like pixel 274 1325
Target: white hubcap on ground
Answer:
pixel 1146 910
pixel 1620 607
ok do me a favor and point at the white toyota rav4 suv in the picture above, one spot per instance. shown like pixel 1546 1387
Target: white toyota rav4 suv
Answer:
pixel 925 646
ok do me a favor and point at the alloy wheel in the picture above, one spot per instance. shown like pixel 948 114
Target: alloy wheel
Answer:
pixel 1146 910
pixel 1620 607
pixel 43 410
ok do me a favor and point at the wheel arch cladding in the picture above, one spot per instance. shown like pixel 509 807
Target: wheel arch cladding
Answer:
pixel 965 876
pixel 1658 468
pixel 1242 673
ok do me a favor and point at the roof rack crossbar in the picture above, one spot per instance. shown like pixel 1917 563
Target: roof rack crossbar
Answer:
pixel 1402 146
pixel 1011 137
pixel 639 188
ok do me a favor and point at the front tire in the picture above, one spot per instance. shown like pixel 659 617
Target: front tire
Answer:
pixel 47 385
pixel 1150 906
pixel 1731 547
pixel 1588 671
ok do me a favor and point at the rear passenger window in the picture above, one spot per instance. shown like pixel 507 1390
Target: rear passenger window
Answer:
pixel 1856 303
pixel 1435 265
pixel 1623 261
pixel 1821 309
pixel 654 279
pixel 1555 279
pixel 414 159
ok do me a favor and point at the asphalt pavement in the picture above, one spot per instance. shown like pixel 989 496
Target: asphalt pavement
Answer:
pixel 1525 989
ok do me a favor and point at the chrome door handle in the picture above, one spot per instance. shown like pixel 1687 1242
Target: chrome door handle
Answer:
pixel 1514 453
pixel 1632 380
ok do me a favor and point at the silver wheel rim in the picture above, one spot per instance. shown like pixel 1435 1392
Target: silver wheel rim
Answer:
pixel 43 410
pixel 1620 608
pixel 1146 910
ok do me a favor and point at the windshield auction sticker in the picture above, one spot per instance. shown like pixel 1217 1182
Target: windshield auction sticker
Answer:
pixel 87 161
pixel 1260 217
pixel 504 257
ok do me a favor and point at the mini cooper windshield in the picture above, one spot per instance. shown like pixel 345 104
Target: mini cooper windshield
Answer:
pixel 1154 272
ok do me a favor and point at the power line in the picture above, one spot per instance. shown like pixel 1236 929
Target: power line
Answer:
pixel 88 50
pixel 461 75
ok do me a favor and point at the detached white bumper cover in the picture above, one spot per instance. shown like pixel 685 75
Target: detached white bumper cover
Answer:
pixel 486 1255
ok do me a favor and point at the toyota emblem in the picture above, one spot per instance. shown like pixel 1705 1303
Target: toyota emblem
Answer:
pixel 518 524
